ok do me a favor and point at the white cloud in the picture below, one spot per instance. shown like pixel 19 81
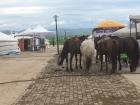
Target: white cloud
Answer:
pixel 8 1
pixel 23 13
pixel 22 10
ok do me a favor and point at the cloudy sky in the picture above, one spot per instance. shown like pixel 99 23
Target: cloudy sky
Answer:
pixel 20 14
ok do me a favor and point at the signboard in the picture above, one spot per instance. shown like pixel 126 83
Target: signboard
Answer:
pixel 101 32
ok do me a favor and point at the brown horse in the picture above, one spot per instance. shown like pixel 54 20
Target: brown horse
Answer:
pixel 108 47
pixel 43 47
pixel 71 46
pixel 96 39
pixel 130 47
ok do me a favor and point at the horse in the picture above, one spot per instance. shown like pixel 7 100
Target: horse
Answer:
pixel 71 46
pixel 96 39
pixel 43 47
pixel 108 47
pixel 130 47
pixel 88 51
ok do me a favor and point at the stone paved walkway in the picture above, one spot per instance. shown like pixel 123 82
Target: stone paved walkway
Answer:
pixel 57 87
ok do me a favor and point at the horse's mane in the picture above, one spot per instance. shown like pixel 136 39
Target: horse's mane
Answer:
pixel 82 38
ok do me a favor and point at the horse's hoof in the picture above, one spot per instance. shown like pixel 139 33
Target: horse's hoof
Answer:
pixel 132 70
pixel 113 72
pixel 67 69
pixel 120 68
pixel 71 70
pixel 101 70
pixel 97 62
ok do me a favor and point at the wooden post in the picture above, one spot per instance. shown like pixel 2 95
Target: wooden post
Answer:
pixel 130 27
pixel 56 34
pixel 136 29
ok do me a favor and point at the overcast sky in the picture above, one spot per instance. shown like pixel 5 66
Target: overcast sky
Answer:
pixel 21 14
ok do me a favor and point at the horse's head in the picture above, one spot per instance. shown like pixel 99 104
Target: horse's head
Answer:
pixel 59 62
pixel 82 38
pixel 61 58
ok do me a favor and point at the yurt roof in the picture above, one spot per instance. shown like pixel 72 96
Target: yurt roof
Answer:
pixel 4 37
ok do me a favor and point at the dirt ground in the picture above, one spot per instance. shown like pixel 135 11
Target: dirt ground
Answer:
pixel 55 86
pixel 16 73
pixel 21 68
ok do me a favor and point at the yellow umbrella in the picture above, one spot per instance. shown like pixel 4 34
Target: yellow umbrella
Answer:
pixel 109 24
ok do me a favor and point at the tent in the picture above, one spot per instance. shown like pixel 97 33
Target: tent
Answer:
pixel 37 33
pixel 41 31
pixel 125 32
pixel 26 32
pixel 107 27
pixel 8 44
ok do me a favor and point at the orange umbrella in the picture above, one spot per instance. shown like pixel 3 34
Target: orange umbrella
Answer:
pixel 109 24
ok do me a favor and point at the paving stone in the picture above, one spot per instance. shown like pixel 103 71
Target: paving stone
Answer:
pixel 58 87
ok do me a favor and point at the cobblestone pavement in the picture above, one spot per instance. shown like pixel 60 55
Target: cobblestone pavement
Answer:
pixel 57 87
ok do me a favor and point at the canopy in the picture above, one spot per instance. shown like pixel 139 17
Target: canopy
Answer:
pixel 37 31
pixel 110 24
pixel 107 27
pixel 135 18
pixel 41 31
pixel 27 31
pixel 125 32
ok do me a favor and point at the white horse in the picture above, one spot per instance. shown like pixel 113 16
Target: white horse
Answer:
pixel 88 53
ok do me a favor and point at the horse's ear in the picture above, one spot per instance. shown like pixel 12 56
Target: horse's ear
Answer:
pixel 87 36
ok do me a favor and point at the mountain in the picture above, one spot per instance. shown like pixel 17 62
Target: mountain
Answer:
pixel 61 32
pixel 73 32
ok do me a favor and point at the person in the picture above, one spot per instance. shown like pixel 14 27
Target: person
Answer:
pixel 47 44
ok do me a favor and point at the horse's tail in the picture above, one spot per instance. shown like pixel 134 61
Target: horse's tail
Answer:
pixel 114 56
pixel 136 55
pixel 88 62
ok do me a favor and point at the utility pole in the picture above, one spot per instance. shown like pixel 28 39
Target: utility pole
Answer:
pixel 55 17
pixel 65 35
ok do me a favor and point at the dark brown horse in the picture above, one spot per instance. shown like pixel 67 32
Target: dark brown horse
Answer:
pixel 129 46
pixel 43 47
pixel 71 46
pixel 96 39
pixel 108 47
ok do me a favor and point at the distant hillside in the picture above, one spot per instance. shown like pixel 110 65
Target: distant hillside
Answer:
pixel 61 32
pixel 8 32
pixel 69 32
